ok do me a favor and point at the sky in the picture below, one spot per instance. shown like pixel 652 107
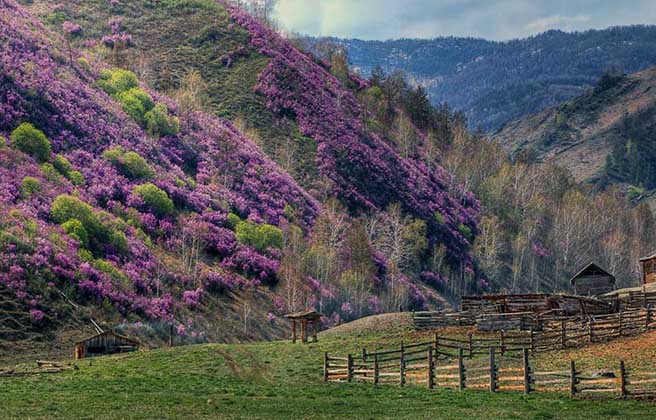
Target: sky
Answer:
pixel 489 19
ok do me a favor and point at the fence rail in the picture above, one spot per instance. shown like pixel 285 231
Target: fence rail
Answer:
pixel 500 374
pixel 561 332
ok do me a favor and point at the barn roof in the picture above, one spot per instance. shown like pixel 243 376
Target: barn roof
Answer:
pixel 649 257
pixel 108 333
pixel 591 268
pixel 307 314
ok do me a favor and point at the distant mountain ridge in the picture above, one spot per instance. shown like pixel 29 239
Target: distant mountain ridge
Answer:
pixel 604 136
pixel 498 82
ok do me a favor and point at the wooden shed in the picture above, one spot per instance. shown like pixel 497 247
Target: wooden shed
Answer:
pixel 648 264
pixel 304 318
pixel 593 280
pixel 103 344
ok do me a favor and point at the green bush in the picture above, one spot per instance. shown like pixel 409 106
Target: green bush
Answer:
pixel 75 229
pixel 30 186
pixel 233 221
pixel 116 81
pixel 154 198
pixel 259 237
pixel 76 178
pixel 119 241
pixel 160 123
pixel 136 103
pixel 66 207
pixel 31 141
pixel 50 173
pixel 130 164
pixel 62 165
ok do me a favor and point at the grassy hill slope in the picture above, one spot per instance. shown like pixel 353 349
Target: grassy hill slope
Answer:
pixel 269 380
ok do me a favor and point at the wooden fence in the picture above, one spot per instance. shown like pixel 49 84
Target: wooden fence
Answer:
pixel 419 365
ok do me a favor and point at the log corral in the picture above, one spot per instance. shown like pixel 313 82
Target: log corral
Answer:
pixel 103 344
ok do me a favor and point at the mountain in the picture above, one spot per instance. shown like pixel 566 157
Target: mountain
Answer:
pixel 497 82
pixel 140 208
pixel 601 137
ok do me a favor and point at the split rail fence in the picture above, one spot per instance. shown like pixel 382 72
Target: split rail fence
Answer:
pixel 421 365
pixel 565 332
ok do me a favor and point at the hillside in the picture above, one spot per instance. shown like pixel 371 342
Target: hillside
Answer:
pixel 498 82
pixel 602 137
pixel 139 208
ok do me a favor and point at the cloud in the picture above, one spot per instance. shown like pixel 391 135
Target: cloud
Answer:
pixel 557 22
pixel 491 19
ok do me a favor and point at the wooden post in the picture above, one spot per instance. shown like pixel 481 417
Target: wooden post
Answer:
pixel 493 372
pixel 402 366
pixel 532 341
pixel 527 373
pixel 621 318
pixel 293 331
pixel 349 368
pixel 314 331
pixel 563 334
pixel 572 378
pixel 431 372
pixel 623 379
pixel 303 331
pixel 648 317
pixel 376 371
pixel 325 366
pixel 437 345
pixel 502 342
pixel 591 328
pixel 364 354
pixel 461 370
pixel 471 346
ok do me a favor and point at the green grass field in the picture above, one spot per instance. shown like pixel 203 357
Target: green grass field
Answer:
pixel 269 380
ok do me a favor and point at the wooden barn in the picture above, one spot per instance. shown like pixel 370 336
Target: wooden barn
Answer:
pixel 648 264
pixel 593 280
pixel 103 344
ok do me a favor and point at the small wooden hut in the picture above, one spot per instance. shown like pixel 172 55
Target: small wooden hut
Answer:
pixel 593 280
pixel 305 319
pixel 103 344
pixel 648 264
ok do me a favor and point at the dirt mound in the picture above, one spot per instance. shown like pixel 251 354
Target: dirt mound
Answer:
pixel 387 323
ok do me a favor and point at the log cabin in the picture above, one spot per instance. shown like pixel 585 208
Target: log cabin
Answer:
pixel 103 344
pixel 593 280
pixel 648 264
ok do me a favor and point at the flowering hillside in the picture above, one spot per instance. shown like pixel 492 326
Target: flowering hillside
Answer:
pixel 117 197
pixel 80 218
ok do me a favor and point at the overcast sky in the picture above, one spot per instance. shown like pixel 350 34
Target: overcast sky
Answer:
pixel 490 19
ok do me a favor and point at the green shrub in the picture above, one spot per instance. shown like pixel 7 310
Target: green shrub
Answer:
pixel 31 141
pixel 62 165
pixel 136 103
pixel 233 221
pixel 130 164
pixel 466 231
pixel 84 64
pixel 160 123
pixel 119 241
pixel 75 229
pixel 116 81
pixel 85 255
pixel 30 186
pixel 259 237
pixel 50 173
pixel 66 207
pixel 76 178
pixel 154 198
